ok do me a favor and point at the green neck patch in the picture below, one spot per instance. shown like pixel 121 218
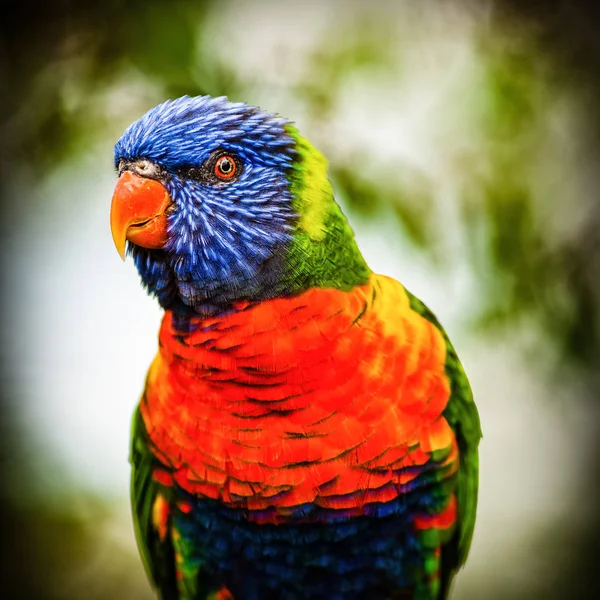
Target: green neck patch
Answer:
pixel 324 253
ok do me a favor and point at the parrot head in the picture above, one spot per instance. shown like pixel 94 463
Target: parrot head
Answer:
pixel 219 202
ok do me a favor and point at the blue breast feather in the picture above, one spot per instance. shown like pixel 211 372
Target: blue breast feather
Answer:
pixel 335 557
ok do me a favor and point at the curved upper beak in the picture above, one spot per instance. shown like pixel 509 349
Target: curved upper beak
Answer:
pixel 138 212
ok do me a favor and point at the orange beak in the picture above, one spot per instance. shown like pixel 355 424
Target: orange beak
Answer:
pixel 138 212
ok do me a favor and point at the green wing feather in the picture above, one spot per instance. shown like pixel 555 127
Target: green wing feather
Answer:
pixel 461 413
pixel 158 555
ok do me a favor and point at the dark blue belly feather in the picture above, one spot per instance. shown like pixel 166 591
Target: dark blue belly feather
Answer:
pixel 331 557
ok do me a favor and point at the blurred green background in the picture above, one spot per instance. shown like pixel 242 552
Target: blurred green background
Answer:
pixel 463 140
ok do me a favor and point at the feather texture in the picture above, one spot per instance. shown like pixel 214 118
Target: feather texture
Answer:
pixel 319 411
pixel 306 431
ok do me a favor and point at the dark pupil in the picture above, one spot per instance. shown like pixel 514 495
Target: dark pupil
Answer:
pixel 225 166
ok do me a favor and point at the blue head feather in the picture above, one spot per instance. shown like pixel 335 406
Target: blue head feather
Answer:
pixel 226 241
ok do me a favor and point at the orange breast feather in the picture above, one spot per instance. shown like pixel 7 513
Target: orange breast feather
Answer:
pixel 302 400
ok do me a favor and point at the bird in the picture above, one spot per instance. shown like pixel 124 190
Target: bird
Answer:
pixel 306 430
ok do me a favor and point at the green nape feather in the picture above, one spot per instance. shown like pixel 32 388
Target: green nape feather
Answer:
pixel 324 253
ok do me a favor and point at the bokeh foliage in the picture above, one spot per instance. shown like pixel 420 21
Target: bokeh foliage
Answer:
pixel 62 65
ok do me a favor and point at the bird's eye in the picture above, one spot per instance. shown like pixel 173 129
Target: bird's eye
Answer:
pixel 222 166
pixel 225 167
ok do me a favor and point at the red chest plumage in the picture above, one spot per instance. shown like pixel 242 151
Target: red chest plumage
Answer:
pixel 304 399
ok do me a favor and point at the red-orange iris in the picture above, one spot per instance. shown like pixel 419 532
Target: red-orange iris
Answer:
pixel 225 167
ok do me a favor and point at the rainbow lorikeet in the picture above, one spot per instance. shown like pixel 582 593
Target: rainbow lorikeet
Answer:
pixel 306 430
